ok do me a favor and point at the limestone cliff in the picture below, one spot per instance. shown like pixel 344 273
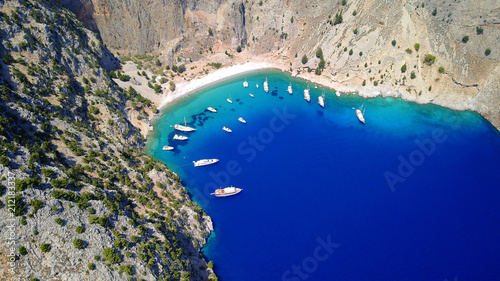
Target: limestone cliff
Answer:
pixel 461 35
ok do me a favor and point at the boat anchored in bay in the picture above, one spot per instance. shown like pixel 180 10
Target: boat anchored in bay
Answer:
pixel 245 84
pixel 226 129
pixel 307 96
pixel 290 91
pixel 359 113
pixel 266 86
pixel 180 137
pixel 211 109
pixel 184 128
pixel 204 162
pixel 229 99
pixel 228 191
pixel 321 100
pixel 242 120
pixel 166 147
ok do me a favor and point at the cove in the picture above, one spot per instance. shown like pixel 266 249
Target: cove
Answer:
pixel 413 194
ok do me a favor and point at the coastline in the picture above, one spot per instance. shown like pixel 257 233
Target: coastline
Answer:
pixel 346 87
pixel 184 89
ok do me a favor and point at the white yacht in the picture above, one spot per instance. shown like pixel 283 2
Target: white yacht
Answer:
pixel 228 191
pixel 226 129
pixel 321 101
pixel 166 147
pixel 204 162
pixel 307 97
pixel 180 137
pixel 245 84
pixel 242 120
pixel 257 85
pixel 290 88
pixel 229 100
pixel 266 86
pixel 251 95
pixel 183 128
pixel 359 113
pixel 337 94
pixel 211 109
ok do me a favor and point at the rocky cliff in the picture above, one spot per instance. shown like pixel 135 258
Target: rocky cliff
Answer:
pixel 371 47
pixel 79 200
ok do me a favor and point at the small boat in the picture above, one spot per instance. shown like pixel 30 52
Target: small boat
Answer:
pixel 290 88
pixel 166 147
pixel 242 120
pixel 180 137
pixel 226 129
pixel 228 191
pixel 360 113
pixel 245 84
pixel 204 162
pixel 229 99
pixel 315 86
pixel 211 109
pixel 321 101
pixel 307 96
pixel 257 85
pixel 266 86
pixel 183 128
pixel 251 95
pixel 337 94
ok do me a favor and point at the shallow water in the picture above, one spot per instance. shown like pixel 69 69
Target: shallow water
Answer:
pixel 413 194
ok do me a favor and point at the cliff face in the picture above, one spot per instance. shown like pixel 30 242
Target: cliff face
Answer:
pixel 79 200
pixel 287 30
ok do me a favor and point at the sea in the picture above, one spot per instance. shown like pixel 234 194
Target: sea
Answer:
pixel 412 194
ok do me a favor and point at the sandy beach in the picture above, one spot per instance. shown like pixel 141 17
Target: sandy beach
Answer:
pixel 183 89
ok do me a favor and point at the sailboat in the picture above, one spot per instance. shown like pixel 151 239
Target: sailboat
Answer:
pixel 359 113
pixel 229 99
pixel 183 128
pixel 321 100
pixel 251 95
pixel 266 86
pixel 307 97
pixel 290 88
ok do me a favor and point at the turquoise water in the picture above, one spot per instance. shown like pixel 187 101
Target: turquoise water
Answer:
pixel 413 194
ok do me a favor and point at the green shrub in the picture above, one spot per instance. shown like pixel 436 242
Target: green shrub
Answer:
pixel 319 53
pixel 479 30
pixel 20 206
pixel 59 221
pixel 393 43
pixel 304 59
pixel 429 59
pixel 4 160
pixel 23 251
pixel 338 18
pixel 403 68
pixel 441 69
pixel 91 266
pixel 434 13
pixel 465 39
pixel 91 210
pixel 36 204
pixel 111 256
pixel 128 268
pixel 487 52
pixel 350 52
pixel 80 229
pixel 417 46
pixel 78 243
pixel 210 264
pixel 45 248
pixel 134 238
pixel 238 49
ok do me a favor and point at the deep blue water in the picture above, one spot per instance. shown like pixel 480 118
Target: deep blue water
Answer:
pixel 316 202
